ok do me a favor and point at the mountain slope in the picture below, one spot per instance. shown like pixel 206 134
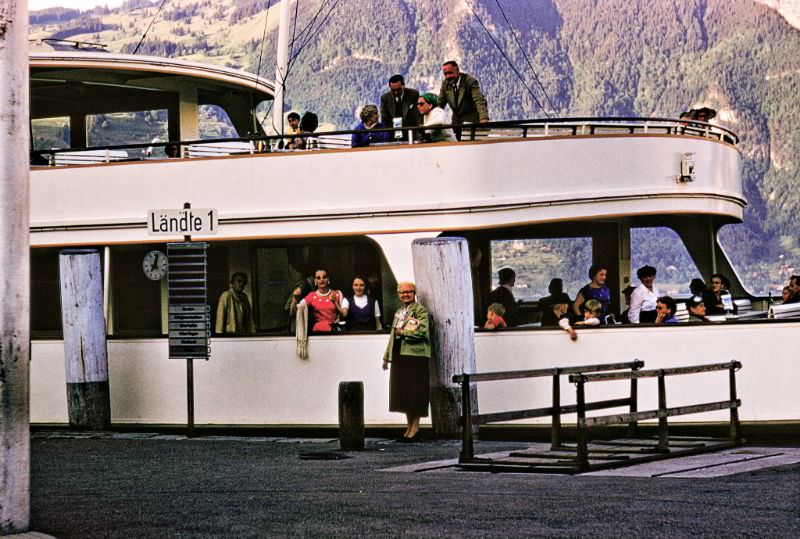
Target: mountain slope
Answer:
pixel 616 57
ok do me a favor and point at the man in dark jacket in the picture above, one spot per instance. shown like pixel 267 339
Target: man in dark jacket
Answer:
pixel 463 93
pixel 503 295
pixel 400 102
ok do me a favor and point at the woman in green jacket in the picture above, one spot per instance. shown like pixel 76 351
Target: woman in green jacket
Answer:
pixel 409 351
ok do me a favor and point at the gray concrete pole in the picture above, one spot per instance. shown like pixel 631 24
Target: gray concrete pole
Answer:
pixel 444 283
pixel 14 270
pixel 85 352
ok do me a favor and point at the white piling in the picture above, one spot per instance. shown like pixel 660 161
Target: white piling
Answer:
pixel 85 351
pixel 444 283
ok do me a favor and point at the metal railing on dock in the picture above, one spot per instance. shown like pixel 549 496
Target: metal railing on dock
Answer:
pixel 572 458
pixel 555 411
pixel 662 413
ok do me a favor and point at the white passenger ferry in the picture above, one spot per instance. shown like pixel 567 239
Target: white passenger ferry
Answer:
pixel 283 214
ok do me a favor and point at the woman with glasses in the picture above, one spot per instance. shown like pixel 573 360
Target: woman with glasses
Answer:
pixel 408 353
pixel 714 298
pixel 428 107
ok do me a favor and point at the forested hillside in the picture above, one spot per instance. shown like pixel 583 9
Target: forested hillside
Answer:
pixel 616 57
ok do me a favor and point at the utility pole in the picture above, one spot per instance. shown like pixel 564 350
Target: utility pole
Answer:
pixel 14 270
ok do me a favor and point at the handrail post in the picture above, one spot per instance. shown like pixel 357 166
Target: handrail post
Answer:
pixel 555 424
pixel 734 426
pixel 467 449
pixel 583 449
pixel 663 432
pixel 633 425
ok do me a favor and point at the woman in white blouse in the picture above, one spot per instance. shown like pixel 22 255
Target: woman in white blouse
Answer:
pixel 644 297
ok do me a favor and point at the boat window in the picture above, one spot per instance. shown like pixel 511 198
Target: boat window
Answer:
pixel 280 267
pixel 117 128
pixel 763 264
pixel 51 133
pixel 662 248
pixel 135 299
pixel 214 123
pixel 45 294
pixel 537 261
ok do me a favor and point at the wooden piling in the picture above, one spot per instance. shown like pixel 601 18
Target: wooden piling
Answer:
pixel 85 352
pixel 351 416
pixel 14 271
pixel 444 285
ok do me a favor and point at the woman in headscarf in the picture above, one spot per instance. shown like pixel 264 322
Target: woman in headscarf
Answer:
pixel 408 353
pixel 428 107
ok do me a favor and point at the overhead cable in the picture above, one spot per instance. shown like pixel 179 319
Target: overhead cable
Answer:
pixel 525 55
pixel 510 63
pixel 152 21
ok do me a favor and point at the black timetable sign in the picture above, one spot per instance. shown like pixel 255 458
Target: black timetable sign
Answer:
pixel 189 312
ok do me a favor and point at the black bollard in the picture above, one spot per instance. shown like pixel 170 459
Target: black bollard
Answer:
pixel 351 416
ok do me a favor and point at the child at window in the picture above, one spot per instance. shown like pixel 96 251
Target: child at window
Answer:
pixel 494 317
pixel 591 313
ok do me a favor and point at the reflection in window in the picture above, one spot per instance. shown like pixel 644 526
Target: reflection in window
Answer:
pixel 119 128
pixel 662 248
pixel 762 264
pixel 51 133
pixel 214 123
pixel 536 261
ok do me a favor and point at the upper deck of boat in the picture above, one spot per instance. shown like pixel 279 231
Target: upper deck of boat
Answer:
pixel 501 174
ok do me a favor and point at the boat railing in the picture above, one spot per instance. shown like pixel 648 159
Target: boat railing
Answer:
pixel 341 139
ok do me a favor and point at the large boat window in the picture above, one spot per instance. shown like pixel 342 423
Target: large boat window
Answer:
pixel 281 266
pixel 662 248
pixel 763 266
pixel 118 128
pixel 214 123
pixel 51 133
pixel 537 261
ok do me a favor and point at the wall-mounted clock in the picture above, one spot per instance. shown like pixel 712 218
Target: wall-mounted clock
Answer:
pixel 155 265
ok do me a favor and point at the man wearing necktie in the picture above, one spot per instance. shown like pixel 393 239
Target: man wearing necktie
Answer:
pixel 463 93
pixel 400 102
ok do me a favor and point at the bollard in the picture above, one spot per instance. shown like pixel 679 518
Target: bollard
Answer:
pixel 351 416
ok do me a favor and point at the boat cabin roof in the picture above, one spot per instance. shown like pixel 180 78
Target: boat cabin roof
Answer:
pixel 76 83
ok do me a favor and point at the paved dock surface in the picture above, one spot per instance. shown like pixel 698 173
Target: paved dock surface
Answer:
pixel 143 485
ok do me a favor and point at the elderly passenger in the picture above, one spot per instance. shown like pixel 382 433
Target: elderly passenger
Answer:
pixel 408 352
pixel 428 106
pixel 369 122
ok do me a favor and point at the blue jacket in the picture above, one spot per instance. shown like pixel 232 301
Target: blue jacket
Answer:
pixel 369 136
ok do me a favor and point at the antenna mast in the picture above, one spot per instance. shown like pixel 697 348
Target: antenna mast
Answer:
pixel 281 68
